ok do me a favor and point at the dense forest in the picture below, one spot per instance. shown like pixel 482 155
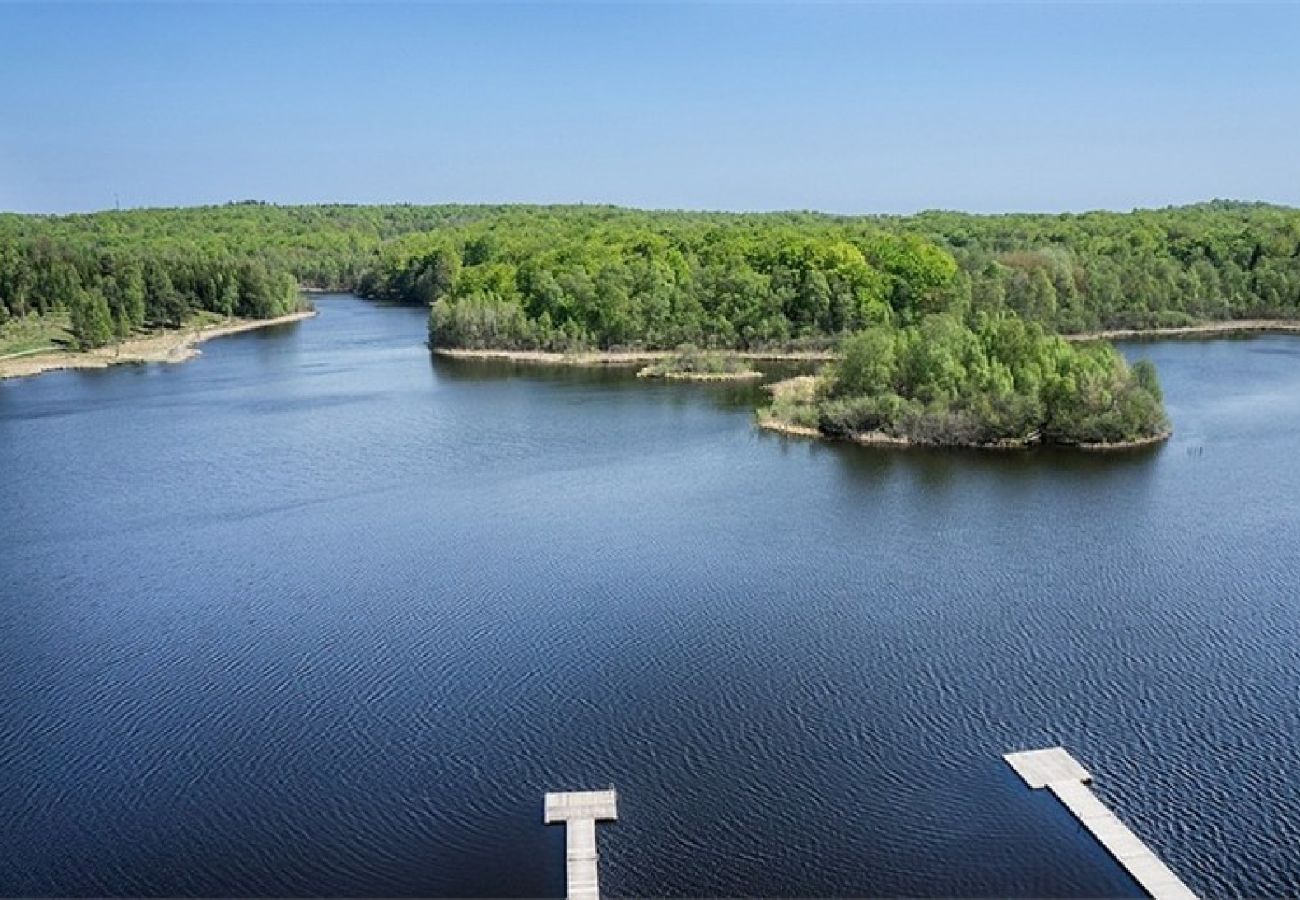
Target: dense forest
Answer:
pixel 110 296
pixel 599 277
pixel 113 273
pixel 1150 268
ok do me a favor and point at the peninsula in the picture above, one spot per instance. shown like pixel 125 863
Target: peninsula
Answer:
pixel 162 346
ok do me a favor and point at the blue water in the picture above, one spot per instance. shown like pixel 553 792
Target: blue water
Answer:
pixel 318 615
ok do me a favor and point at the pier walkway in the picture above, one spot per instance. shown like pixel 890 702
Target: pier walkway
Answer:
pixel 1060 773
pixel 579 811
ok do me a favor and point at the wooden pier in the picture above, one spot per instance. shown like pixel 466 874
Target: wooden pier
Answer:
pixel 579 811
pixel 1060 773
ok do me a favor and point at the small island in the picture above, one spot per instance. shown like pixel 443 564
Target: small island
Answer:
pixel 1001 384
pixel 689 363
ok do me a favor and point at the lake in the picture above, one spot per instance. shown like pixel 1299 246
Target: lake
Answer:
pixel 319 614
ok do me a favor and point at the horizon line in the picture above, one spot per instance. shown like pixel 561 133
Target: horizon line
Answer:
pixel 594 204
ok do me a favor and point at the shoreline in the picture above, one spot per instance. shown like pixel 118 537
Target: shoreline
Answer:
pixel 624 357
pixel 1206 329
pixel 645 357
pixel 745 375
pixel 172 346
pixel 1137 444
pixel 880 439
pixel 803 386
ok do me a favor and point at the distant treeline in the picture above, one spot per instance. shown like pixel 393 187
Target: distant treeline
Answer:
pixel 116 272
pixel 1151 268
pixel 597 277
pixel 322 246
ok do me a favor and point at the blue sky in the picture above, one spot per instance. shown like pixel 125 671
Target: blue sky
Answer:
pixel 841 107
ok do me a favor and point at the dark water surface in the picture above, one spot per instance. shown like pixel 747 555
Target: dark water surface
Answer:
pixel 315 614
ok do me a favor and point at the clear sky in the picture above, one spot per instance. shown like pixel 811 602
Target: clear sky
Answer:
pixel 843 107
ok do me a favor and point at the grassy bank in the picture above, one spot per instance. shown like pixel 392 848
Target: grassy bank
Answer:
pixel 1203 330
pixel 35 334
pixel 693 364
pixel 623 357
pixel 169 345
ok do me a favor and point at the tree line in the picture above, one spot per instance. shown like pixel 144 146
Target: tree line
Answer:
pixel 325 246
pixel 108 296
pixel 115 272
pixel 1149 268
pixel 558 275
pixel 567 278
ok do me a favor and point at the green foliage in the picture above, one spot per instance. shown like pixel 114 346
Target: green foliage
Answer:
pixel 91 321
pixel 949 312
pixel 481 320
pixel 1144 373
pixel 34 333
pixel 942 381
pixel 689 361
pixel 109 290
pixel 1149 268
pixel 868 362
pixel 611 277
pixel 605 278
pixel 593 276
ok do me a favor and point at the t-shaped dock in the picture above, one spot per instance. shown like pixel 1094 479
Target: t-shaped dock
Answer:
pixel 1060 773
pixel 579 810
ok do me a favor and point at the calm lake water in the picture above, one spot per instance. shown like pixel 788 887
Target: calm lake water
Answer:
pixel 316 614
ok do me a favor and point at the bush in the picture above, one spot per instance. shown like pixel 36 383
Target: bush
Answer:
pixel 848 416
pixel 945 382
pixel 689 360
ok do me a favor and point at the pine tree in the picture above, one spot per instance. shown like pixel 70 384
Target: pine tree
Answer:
pixel 92 322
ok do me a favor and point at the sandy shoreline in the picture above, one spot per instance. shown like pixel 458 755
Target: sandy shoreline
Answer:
pixel 1127 445
pixel 789 428
pixel 644 357
pixel 624 357
pixel 168 346
pixel 1208 329
pixel 746 375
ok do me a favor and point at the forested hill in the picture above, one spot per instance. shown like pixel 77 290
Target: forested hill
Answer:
pixel 322 246
pixel 1150 268
pixel 114 273
pixel 603 277
pixel 592 276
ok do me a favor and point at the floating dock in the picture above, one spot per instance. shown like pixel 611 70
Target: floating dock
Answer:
pixel 579 811
pixel 1060 773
